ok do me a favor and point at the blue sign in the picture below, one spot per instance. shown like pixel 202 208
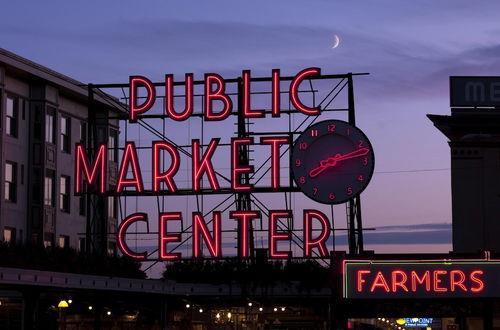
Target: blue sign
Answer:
pixel 418 322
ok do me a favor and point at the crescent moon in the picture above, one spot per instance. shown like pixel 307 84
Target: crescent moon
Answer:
pixel 336 41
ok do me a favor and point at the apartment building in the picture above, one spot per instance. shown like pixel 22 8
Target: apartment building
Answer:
pixel 44 114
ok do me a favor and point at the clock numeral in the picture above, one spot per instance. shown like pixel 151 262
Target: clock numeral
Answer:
pixel 302 146
pixel 360 178
pixel 314 132
pixel 315 191
pixel 331 196
pixel 365 161
pixel 331 128
pixel 302 179
pixel 360 145
pixel 349 191
pixel 298 162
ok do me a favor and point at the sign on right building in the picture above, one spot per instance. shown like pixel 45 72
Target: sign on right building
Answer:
pixel 474 91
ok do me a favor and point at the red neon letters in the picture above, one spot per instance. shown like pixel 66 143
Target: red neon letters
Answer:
pixel 130 158
pixel 122 230
pixel 275 236
pixel 204 165
pixel 294 91
pixel 320 241
pixel 236 169
pixel 82 163
pixel 167 176
pixel 247 111
pixel 216 104
pixel 276 93
pixel 213 239
pixel 164 238
pixel 244 217
pixel 275 143
pixel 135 82
pixel 188 98
pixel 215 95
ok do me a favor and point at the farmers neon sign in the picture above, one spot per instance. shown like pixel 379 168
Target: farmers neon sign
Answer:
pixel 163 180
pixel 420 279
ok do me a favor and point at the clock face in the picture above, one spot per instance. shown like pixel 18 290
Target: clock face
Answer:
pixel 332 162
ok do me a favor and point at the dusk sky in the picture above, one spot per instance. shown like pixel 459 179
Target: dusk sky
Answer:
pixel 410 48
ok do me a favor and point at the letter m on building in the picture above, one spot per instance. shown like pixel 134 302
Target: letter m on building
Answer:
pixel 474 92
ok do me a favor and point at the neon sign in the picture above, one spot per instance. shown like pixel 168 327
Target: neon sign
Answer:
pixel 420 279
pixel 415 322
pixel 218 94
pixel 217 106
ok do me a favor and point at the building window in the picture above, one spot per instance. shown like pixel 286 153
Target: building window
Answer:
pixel 11 113
pixel 48 240
pixel 37 128
pixel 111 248
pixel 48 195
pixel 11 181
pixel 50 126
pixel 36 185
pixel 25 104
pixel 65 134
pixel 81 244
pixel 64 193
pixel 82 205
pixel 113 146
pixel 9 235
pixel 34 238
pixel 63 242
pixel 83 132
pixel 112 207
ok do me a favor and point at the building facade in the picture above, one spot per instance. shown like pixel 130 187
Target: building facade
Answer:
pixel 474 140
pixel 44 114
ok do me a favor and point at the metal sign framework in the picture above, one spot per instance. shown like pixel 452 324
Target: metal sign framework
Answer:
pixel 97 230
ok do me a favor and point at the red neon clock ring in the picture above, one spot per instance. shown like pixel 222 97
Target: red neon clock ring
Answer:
pixel 332 162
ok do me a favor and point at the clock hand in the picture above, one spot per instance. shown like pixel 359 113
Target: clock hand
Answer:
pixel 358 153
pixel 332 161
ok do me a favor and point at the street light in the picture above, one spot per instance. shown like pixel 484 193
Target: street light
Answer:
pixel 63 304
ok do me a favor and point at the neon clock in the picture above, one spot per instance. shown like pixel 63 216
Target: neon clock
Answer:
pixel 332 162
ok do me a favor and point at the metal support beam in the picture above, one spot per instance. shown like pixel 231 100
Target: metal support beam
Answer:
pixel 243 200
pixel 354 206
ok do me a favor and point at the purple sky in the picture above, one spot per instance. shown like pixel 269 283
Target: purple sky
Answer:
pixel 410 49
